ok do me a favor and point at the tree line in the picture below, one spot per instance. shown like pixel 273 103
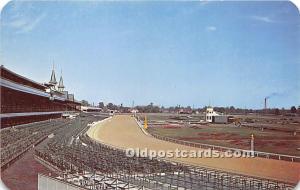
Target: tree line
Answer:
pixel 151 108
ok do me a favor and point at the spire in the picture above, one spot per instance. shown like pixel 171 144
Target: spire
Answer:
pixel 61 84
pixel 53 78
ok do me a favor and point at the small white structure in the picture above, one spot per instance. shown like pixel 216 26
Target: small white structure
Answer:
pixel 134 111
pixel 90 109
pixel 209 114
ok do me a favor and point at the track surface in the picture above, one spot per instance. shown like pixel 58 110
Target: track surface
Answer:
pixel 122 131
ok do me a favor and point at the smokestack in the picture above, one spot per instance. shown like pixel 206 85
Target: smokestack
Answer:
pixel 266 98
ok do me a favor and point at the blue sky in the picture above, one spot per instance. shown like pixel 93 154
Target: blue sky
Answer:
pixel 169 53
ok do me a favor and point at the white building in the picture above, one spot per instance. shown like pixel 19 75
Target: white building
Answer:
pixel 90 109
pixel 209 114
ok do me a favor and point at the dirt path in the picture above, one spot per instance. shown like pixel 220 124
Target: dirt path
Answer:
pixel 122 131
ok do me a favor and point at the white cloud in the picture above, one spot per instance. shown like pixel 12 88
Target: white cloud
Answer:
pixel 22 24
pixel 203 3
pixel 33 23
pixel 18 23
pixel 263 19
pixel 211 28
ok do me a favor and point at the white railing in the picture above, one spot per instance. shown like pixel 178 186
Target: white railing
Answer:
pixel 224 149
pixel 260 154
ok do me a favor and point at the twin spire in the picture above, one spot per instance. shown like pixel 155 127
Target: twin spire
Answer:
pixel 53 81
pixel 61 84
pixel 53 78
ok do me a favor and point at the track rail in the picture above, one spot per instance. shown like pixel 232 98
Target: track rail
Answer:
pixel 260 154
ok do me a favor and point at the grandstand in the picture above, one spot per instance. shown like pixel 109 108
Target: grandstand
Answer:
pixel 24 100
pixel 87 163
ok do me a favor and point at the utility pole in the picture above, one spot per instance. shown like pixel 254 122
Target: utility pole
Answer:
pixel 252 145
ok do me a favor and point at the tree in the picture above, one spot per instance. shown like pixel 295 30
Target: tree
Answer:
pixel 231 109
pixel 85 103
pixel 293 109
pixel 110 106
pixel 221 109
pixel 101 105
pixel 276 112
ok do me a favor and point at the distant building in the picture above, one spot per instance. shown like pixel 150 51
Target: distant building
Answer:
pixel 220 119
pixel 185 111
pixel 209 114
pixel 134 111
pixel 87 109
pixel 212 116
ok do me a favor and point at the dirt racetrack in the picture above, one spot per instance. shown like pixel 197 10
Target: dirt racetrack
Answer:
pixel 122 131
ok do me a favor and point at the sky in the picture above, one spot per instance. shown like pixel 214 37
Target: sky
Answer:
pixel 169 53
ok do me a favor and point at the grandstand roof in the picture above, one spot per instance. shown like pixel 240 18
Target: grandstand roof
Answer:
pixel 14 77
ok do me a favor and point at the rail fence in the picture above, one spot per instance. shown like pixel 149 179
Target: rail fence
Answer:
pixel 260 154
pixel 224 149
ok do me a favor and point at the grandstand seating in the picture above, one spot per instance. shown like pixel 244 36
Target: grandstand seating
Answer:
pixel 15 141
